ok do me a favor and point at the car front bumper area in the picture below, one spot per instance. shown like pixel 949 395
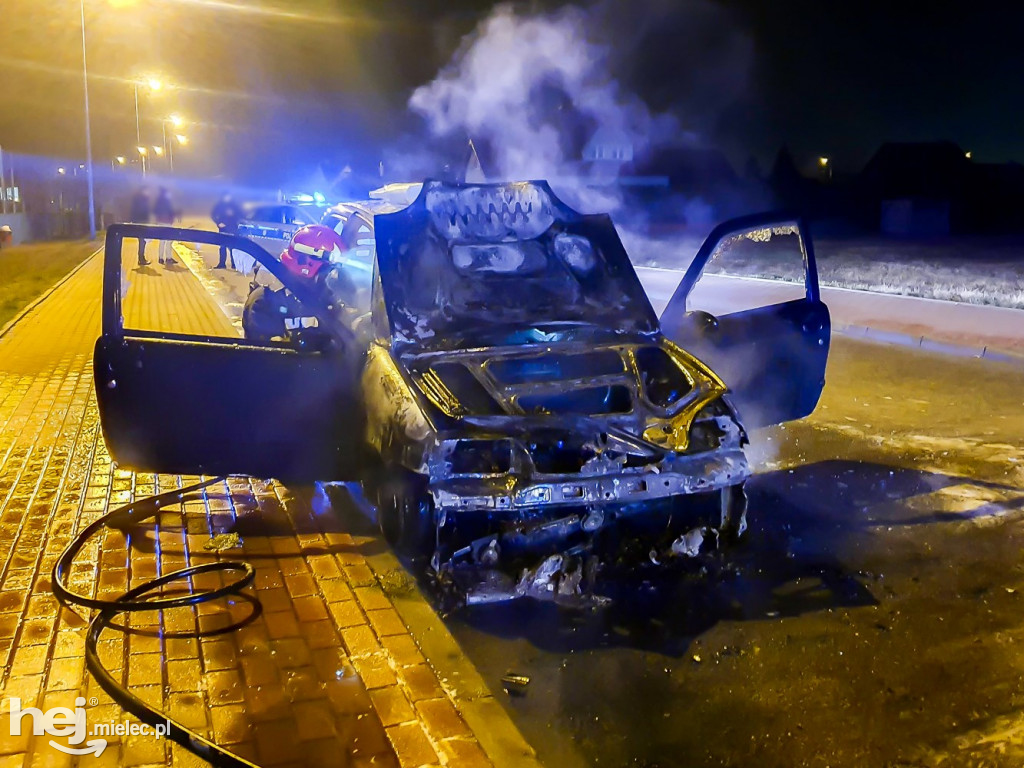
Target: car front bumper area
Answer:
pixel 674 476
pixel 549 539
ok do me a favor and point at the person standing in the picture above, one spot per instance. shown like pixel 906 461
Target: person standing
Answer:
pixel 163 213
pixel 139 213
pixel 225 215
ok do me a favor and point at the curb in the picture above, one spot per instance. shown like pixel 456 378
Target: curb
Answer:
pixel 928 344
pixel 491 726
pixel 490 723
pixel 191 259
pixel 46 294
pixel 879 335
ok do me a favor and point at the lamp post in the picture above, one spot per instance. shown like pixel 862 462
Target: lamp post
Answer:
pixel 88 132
pixel 176 122
pixel 154 85
pixel 182 139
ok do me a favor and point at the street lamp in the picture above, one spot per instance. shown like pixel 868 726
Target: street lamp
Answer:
pixel 177 121
pixel 154 84
pixel 88 131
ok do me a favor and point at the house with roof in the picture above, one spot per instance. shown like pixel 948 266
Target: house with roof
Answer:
pixel 921 189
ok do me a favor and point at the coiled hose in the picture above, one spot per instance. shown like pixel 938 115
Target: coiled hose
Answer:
pixel 135 600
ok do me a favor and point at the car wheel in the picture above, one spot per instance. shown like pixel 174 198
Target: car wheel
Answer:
pixel 734 512
pixel 405 512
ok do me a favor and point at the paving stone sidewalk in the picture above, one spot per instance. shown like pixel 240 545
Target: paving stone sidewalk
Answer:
pixel 327 674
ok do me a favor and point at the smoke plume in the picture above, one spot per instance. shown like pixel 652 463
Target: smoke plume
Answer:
pixel 532 90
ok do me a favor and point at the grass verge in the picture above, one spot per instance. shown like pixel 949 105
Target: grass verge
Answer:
pixel 26 271
pixel 967 270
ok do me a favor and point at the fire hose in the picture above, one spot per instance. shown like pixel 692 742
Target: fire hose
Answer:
pixel 141 598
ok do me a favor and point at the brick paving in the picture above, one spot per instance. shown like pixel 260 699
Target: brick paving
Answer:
pixel 327 674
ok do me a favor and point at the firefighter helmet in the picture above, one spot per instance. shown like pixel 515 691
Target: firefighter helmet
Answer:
pixel 310 249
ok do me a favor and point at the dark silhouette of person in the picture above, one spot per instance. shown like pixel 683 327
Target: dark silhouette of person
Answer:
pixel 139 213
pixel 225 215
pixel 163 213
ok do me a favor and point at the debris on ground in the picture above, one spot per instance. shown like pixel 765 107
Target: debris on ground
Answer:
pixel 222 542
pixel 515 685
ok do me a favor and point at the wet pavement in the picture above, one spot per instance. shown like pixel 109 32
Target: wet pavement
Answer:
pixel 871 617
pixel 328 657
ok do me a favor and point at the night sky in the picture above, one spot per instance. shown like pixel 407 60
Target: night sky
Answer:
pixel 274 84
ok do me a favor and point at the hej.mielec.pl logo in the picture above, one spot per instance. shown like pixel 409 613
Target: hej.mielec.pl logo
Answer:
pixel 63 721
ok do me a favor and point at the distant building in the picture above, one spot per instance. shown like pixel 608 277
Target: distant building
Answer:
pixel 920 188
pixel 609 144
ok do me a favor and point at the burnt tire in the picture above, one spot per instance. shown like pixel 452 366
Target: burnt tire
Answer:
pixel 405 512
pixel 734 512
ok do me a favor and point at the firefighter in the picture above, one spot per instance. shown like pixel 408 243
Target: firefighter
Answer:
pixel 309 258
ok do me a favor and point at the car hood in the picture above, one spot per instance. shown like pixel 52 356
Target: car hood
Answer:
pixel 480 264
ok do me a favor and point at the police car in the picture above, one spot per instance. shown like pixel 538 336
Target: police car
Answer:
pixel 271 225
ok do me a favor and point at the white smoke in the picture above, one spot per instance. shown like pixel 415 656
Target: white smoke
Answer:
pixel 530 90
pixel 533 89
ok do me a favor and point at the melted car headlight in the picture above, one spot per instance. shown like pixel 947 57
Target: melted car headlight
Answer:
pixel 478 457
pixel 714 426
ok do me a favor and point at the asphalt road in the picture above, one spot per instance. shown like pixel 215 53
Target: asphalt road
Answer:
pixel 873 618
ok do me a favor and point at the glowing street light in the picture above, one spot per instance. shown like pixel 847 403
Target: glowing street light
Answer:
pixel 158 150
pixel 826 166
pixel 61 171
pixel 121 160
pixel 154 84
pixel 142 151
pixel 967 154
pixel 177 121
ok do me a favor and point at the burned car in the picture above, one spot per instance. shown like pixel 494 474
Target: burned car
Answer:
pixel 520 415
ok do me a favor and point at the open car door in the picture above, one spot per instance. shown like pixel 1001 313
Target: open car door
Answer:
pixel 181 392
pixel 768 339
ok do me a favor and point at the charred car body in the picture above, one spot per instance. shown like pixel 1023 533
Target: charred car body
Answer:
pixel 520 414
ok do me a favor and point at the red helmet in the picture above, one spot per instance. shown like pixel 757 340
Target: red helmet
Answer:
pixel 310 248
